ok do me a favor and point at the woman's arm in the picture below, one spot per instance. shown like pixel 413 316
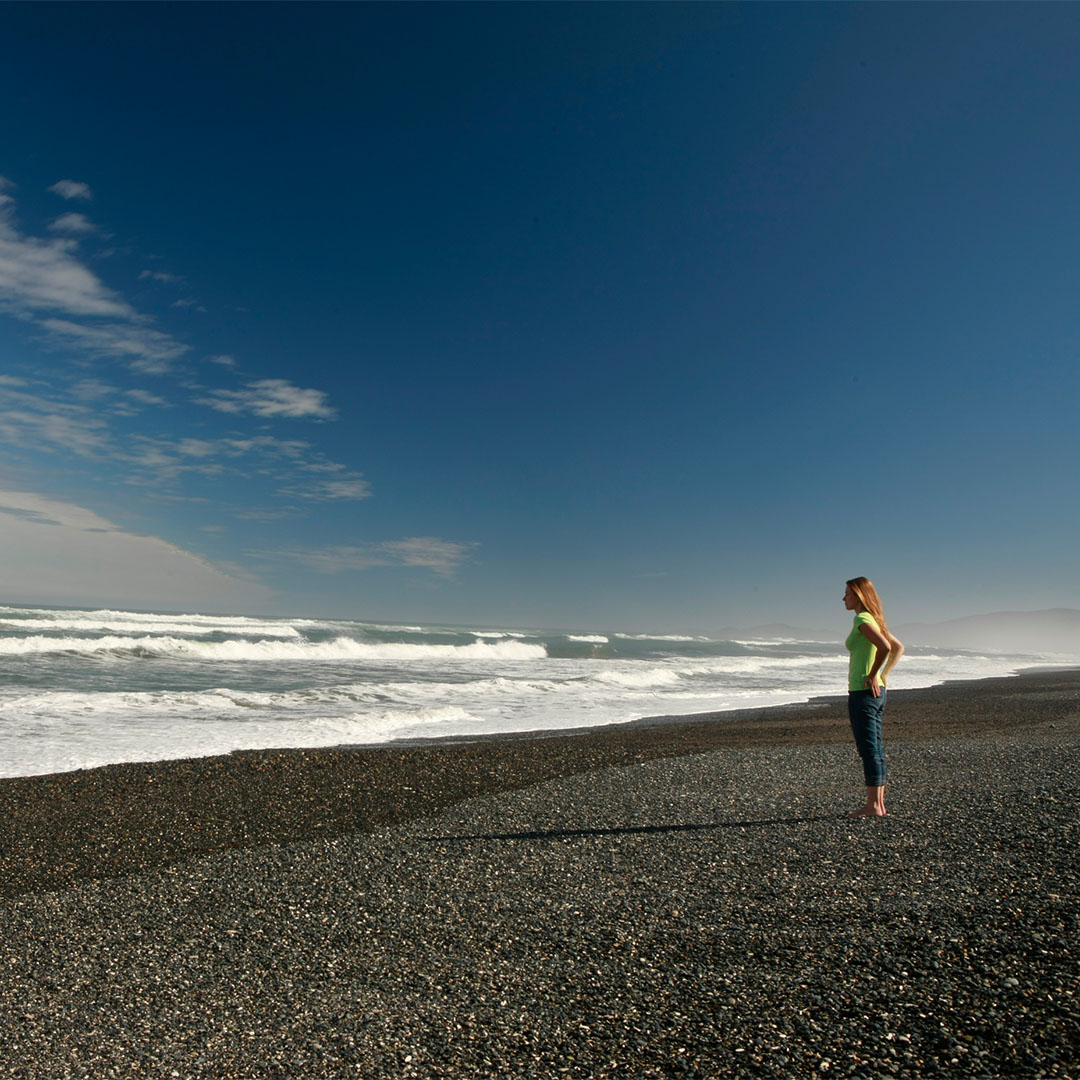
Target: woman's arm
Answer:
pixel 895 653
pixel 883 647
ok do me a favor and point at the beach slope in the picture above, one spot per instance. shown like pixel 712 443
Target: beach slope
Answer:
pixel 663 899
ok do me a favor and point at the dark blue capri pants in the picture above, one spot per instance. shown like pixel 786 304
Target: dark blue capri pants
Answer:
pixel 865 712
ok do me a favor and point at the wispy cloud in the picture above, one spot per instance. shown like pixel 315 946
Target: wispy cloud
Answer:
pixel 161 276
pixel 73 225
pixel 148 350
pixel 78 420
pixel 272 397
pixel 144 397
pixel 282 461
pixel 47 283
pixel 47 275
pixel 72 189
pixel 442 557
pixel 34 421
pixel 343 488
pixel 289 448
pixel 262 513
pixel 98 391
pixel 58 551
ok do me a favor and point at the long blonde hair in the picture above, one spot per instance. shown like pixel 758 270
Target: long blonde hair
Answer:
pixel 864 590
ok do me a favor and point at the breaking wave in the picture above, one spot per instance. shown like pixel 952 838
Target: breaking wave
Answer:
pixel 148 619
pixel 126 625
pixel 341 648
pixel 640 680
pixel 661 637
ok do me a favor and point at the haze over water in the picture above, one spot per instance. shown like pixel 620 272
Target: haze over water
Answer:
pixel 79 689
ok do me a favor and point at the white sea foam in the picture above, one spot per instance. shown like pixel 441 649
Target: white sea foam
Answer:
pixel 660 637
pixel 62 706
pixel 127 626
pixel 341 648
pixel 745 665
pixel 646 678
pixel 426 721
pixel 588 639
pixel 754 643
pixel 378 726
pixel 149 618
pixel 307 701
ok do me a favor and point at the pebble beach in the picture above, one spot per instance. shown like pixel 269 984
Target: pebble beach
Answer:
pixel 680 897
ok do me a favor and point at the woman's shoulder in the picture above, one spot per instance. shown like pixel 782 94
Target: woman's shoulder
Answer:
pixel 864 617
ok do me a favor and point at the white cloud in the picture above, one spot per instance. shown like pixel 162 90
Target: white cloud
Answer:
pixel 197 448
pixel 289 448
pixel 72 189
pixel 443 557
pixel 354 488
pixel 147 349
pixel 264 514
pixel 82 435
pixel 73 225
pixel 261 456
pixel 155 458
pixel 46 275
pixel 36 422
pixel 160 275
pixel 93 390
pixel 123 402
pixel 144 397
pixel 45 284
pixel 272 397
pixel 52 551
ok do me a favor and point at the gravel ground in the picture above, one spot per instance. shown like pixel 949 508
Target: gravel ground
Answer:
pixel 711 915
pixel 122 819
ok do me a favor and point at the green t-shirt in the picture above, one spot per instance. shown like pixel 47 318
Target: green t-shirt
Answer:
pixel 862 651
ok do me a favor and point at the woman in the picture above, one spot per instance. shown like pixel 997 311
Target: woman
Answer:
pixel 874 652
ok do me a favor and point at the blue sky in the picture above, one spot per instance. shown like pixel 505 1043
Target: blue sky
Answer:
pixel 634 316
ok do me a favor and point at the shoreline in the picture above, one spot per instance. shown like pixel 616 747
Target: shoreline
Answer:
pixel 295 741
pixel 62 828
pixel 741 716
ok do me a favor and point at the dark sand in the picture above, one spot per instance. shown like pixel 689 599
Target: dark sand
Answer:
pixel 668 899
pixel 120 819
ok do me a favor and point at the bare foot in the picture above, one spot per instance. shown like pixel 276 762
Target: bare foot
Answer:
pixel 868 811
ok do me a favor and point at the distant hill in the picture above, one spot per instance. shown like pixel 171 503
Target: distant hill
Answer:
pixel 1053 631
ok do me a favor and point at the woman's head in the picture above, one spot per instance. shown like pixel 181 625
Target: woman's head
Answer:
pixel 866 598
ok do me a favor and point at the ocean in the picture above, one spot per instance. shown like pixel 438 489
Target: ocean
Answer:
pixel 83 688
